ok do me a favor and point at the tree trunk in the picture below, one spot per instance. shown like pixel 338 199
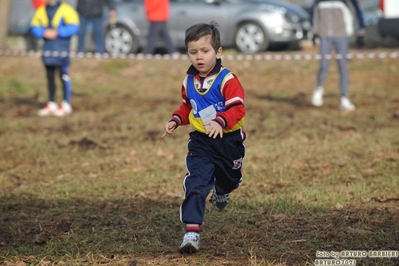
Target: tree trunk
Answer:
pixel 4 11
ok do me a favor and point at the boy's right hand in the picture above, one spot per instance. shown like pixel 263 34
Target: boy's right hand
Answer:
pixel 169 128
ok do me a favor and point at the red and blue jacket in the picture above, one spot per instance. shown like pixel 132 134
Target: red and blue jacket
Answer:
pixel 220 89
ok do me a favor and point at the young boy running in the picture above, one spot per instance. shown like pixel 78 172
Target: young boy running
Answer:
pixel 213 104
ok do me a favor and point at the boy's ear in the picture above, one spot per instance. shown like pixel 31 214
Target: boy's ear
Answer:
pixel 219 52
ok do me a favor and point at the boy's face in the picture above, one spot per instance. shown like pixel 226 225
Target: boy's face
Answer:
pixel 202 55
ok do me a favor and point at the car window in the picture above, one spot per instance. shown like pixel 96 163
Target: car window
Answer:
pixel 128 1
pixel 370 10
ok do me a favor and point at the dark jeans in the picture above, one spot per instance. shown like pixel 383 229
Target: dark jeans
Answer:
pixel 97 31
pixel 65 79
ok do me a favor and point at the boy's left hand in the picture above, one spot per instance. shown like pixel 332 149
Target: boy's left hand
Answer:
pixel 214 129
pixel 50 34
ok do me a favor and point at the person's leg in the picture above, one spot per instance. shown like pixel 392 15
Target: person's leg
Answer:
pixel 66 83
pixel 82 33
pixel 98 34
pixel 50 72
pixel 229 164
pixel 152 37
pixel 325 50
pixel 164 33
pixel 342 48
pixel 65 107
pixel 50 107
pixel 197 184
pixel 231 152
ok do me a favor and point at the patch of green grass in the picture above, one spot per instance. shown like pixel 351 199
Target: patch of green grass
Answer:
pixel 114 67
pixel 13 86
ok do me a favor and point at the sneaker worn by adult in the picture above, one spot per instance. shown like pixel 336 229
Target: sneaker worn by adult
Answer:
pixel 49 109
pixel 220 202
pixel 317 97
pixel 346 104
pixel 64 109
pixel 190 243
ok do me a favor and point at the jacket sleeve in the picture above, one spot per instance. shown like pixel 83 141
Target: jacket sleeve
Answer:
pixel 38 24
pixel 234 103
pixel 37 31
pixel 314 17
pixel 359 16
pixel 69 24
pixel 68 30
pixel 180 116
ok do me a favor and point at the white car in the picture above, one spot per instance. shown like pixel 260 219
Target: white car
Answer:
pixel 389 21
pixel 249 26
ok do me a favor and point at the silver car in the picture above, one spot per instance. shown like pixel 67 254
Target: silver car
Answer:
pixel 249 26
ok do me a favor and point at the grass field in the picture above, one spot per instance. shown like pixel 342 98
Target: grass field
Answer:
pixel 102 188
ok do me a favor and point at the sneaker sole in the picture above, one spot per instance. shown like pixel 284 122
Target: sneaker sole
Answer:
pixel 62 114
pixel 43 115
pixel 220 210
pixel 317 104
pixel 188 248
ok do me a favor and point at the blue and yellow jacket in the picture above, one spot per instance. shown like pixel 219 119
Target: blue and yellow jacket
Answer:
pixel 65 20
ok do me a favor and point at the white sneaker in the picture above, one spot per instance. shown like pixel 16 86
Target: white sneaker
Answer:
pixel 190 243
pixel 64 109
pixel 346 104
pixel 49 109
pixel 317 97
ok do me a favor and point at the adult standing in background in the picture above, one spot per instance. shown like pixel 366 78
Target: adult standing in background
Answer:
pixel 334 22
pixel 91 11
pixel 157 12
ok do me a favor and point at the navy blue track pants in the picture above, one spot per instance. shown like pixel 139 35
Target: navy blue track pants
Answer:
pixel 210 163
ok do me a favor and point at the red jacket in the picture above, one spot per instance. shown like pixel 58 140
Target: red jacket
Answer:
pixel 157 10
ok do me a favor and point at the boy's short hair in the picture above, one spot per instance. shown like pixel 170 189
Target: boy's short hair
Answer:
pixel 202 29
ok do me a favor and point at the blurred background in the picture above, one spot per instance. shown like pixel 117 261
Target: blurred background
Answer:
pixel 21 12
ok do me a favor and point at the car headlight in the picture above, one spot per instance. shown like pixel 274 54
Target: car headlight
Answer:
pixel 287 14
pixel 291 16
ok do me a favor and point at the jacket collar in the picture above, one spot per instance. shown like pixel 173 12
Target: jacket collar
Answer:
pixel 192 71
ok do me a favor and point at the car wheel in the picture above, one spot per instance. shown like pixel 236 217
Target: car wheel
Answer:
pixel 121 40
pixel 251 38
